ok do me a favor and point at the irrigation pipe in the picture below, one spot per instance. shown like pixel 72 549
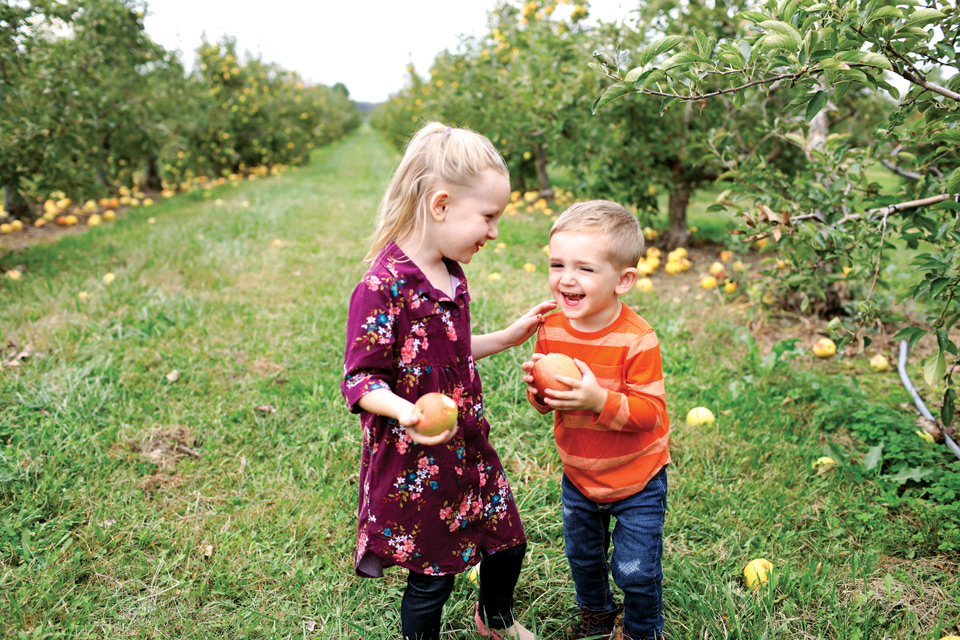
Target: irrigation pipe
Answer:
pixel 902 369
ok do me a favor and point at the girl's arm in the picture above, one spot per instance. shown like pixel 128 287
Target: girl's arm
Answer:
pixel 514 335
pixel 385 402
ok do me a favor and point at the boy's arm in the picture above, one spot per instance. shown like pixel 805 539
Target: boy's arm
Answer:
pixel 643 407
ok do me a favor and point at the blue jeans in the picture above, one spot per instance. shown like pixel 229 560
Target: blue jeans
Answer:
pixel 637 551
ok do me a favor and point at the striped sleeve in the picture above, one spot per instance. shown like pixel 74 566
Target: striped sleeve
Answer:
pixel 643 406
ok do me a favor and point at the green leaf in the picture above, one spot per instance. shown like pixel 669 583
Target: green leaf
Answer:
pixel 886 11
pixel 912 334
pixel 923 16
pixel 778 41
pixel 816 104
pixel 874 59
pixel 784 28
pixel 872 460
pixel 934 368
pixel 657 47
pixel 752 16
pixel 916 474
pixel 633 74
pixel 953 182
pixel 949 407
pixel 611 94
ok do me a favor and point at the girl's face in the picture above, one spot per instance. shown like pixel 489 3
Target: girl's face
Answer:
pixel 470 215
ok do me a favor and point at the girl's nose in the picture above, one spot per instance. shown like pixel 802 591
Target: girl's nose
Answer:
pixel 492 232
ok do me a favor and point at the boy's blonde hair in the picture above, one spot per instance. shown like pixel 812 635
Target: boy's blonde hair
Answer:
pixel 624 235
pixel 436 156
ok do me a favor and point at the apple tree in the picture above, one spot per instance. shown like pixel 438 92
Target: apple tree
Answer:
pixel 831 218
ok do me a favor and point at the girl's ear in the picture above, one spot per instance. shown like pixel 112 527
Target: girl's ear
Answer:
pixel 628 278
pixel 437 204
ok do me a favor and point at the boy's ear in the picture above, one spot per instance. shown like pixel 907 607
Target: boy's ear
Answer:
pixel 628 279
pixel 437 204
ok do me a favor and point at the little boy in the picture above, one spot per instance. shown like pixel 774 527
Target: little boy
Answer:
pixel 611 427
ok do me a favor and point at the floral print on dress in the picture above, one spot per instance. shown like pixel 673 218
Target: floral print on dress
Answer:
pixel 430 509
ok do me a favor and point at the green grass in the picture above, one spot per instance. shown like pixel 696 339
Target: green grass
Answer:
pixel 109 530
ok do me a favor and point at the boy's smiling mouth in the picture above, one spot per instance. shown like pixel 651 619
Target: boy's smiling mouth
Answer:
pixel 573 299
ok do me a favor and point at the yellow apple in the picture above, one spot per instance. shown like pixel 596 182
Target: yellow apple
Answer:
pixel 17 225
pixel 879 363
pixel 824 461
pixel 730 287
pixel 709 282
pixel 672 267
pixel 6 228
pixel 474 574
pixel 726 255
pixel 93 220
pixel 548 367
pixel 717 269
pixel 436 412
pixel 109 214
pixel 13 274
pixel 700 416
pixel 108 278
pixel 645 284
pixel 824 348
pixel 755 573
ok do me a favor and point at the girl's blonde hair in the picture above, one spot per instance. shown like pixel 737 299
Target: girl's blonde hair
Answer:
pixel 436 156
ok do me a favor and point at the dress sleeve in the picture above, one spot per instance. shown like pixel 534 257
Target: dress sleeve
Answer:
pixel 539 348
pixel 368 361
pixel 643 406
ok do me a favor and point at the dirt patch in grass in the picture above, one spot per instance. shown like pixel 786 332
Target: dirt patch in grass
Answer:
pixel 164 447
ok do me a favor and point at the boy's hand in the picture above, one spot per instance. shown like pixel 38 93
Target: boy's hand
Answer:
pixel 527 324
pixel 528 376
pixel 409 420
pixel 584 395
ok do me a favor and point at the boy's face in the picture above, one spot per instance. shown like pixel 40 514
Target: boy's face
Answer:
pixel 585 284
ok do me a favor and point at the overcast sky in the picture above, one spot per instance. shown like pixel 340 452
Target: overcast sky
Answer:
pixel 365 44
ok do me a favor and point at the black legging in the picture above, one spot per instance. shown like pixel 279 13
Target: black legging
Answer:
pixel 425 595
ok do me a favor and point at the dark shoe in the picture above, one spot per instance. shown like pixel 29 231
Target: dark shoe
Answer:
pixel 597 625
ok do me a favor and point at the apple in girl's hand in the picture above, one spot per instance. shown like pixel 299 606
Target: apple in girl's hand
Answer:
pixel 436 412
pixel 547 368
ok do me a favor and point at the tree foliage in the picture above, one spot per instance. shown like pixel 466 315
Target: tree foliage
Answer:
pixel 831 218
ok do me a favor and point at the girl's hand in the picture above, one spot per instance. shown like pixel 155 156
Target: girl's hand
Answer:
pixel 409 420
pixel 584 395
pixel 527 324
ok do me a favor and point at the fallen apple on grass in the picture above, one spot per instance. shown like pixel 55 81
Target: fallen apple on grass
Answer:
pixel 547 368
pixel 879 363
pixel 700 416
pixel 436 412
pixel 755 573
pixel 824 348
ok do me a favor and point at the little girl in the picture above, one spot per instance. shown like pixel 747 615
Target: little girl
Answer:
pixel 434 505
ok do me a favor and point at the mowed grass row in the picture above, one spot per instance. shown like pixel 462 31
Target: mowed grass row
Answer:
pixel 220 501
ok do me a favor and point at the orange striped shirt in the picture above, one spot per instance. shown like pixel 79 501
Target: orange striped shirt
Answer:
pixel 612 455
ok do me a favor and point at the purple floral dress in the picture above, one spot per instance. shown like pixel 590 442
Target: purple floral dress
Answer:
pixel 430 509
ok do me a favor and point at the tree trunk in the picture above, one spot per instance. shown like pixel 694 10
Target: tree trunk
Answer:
pixel 153 175
pixel 16 206
pixel 543 180
pixel 677 234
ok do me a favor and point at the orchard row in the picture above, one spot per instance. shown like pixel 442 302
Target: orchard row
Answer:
pixel 91 104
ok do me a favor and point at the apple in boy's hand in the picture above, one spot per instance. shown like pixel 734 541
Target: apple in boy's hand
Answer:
pixel 547 368
pixel 436 413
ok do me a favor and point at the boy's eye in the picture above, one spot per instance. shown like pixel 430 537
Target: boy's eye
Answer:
pixel 588 269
